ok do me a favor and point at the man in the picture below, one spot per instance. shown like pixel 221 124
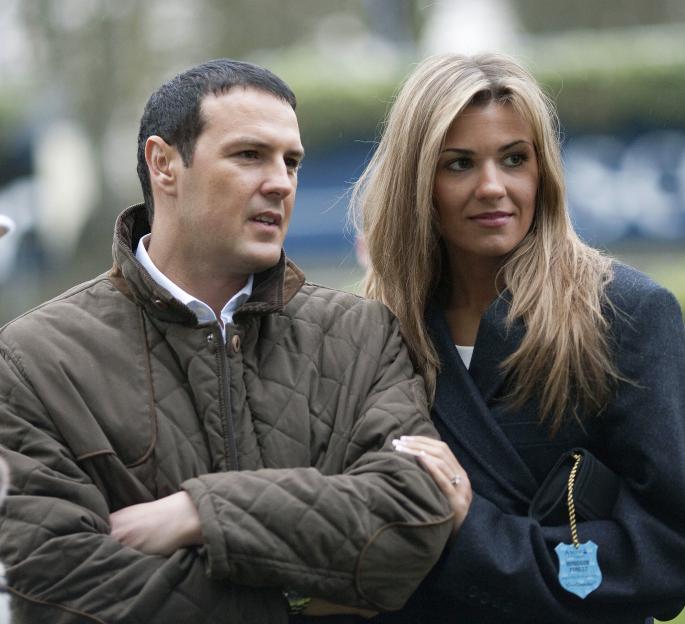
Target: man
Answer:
pixel 199 431
pixel 6 226
pixel 4 596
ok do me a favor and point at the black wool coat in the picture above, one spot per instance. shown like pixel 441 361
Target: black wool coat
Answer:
pixel 501 567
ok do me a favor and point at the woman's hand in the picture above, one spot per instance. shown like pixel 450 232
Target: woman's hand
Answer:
pixel 442 465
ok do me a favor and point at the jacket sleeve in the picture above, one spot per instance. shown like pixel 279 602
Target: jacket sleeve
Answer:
pixel 61 563
pixel 508 562
pixel 366 524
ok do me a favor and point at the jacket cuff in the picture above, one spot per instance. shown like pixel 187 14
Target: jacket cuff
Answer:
pixel 216 562
pixel 416 548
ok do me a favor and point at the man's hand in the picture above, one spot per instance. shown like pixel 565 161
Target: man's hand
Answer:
pixel 160 527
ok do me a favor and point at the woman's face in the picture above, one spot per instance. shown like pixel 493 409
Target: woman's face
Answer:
pixel 486 182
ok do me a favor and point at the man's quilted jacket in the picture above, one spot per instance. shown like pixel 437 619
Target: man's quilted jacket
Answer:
pixel 112 394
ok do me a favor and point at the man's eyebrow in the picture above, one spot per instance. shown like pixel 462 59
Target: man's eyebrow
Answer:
pixel 468 152
pixel 247 141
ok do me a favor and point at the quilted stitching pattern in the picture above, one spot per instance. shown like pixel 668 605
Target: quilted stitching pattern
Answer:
pixel 313 388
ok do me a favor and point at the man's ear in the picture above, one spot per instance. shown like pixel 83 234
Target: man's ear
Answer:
pixel 163 162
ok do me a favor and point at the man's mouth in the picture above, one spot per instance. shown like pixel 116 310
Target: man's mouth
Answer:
pixel 268 218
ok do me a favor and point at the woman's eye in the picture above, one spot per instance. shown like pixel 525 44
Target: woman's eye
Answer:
pixel 514 160
pixel 460 164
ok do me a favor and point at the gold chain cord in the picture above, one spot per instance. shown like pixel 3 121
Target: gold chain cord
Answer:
pixel 569 499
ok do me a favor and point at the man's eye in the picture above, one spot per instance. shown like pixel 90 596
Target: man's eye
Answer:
pixel 250 154
pixel 293 164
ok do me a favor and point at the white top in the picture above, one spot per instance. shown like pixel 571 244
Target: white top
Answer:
pixel 465 353
pixel 204 313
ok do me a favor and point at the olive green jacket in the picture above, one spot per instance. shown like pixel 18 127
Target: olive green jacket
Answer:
pixel 112 394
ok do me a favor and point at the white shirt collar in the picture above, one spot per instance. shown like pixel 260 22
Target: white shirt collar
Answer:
pixel 204 313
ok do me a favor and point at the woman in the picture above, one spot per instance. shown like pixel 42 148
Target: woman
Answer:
pixel 557 348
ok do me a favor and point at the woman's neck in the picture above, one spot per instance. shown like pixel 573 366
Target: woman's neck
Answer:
pixel 473 289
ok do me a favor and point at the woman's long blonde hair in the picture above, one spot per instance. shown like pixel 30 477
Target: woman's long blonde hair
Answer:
pixel 555 281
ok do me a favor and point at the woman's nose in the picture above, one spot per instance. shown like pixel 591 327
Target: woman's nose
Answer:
pixel 490 183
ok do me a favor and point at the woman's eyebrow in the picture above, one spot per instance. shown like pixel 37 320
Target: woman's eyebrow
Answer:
pixel 504 148
pixel 468 152
pixel 459 150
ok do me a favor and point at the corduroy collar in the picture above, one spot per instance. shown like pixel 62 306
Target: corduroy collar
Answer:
pixel 272 288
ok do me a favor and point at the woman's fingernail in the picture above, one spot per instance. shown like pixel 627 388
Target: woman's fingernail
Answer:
pixel 400 448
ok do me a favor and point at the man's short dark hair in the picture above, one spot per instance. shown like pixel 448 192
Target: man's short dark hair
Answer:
pixel 173 111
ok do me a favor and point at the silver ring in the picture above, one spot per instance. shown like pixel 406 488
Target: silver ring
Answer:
pixel 455 480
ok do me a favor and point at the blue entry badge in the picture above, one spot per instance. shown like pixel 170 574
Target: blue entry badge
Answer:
pixel 579 571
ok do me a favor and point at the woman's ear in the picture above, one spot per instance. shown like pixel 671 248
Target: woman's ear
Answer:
pixel 162 162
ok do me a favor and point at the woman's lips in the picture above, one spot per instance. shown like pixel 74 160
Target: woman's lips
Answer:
pixel 492 219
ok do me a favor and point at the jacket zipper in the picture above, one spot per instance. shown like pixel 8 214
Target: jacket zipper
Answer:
pixel 230 448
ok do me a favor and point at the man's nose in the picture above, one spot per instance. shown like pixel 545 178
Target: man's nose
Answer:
pixel 490 182
pixel 279 180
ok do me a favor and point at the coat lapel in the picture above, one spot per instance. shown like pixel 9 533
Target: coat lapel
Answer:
pixel 460 409
pixel 495 342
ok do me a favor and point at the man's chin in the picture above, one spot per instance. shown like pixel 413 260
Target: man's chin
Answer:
pixel 265 260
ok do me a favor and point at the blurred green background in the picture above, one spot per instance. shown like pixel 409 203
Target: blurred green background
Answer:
pixel 75 75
